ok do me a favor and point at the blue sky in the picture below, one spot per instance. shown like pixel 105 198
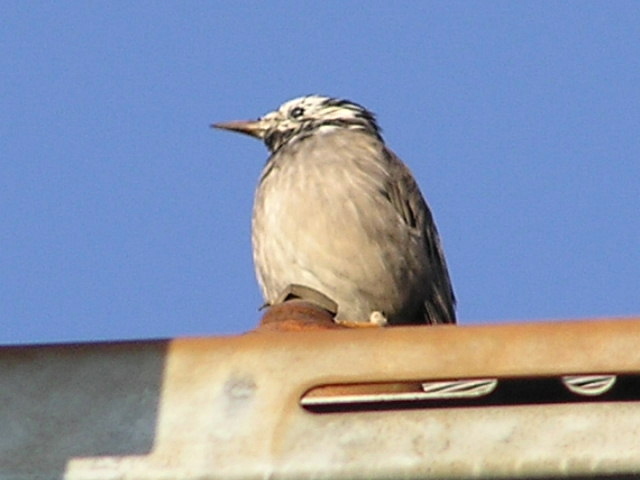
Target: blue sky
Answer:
pixel 122 215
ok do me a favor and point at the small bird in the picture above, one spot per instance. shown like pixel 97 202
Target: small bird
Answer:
pixel 337 212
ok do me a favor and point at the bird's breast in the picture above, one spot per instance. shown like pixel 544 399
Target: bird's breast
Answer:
pixel 321 219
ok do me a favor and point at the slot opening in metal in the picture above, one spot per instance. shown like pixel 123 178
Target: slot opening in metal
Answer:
pixel 461 393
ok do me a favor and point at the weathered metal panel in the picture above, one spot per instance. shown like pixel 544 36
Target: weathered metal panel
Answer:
pixel 230 407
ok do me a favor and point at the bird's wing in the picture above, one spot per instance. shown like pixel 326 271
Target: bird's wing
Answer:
pixel 404 194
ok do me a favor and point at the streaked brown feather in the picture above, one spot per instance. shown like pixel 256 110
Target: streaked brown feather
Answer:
pixel 404 194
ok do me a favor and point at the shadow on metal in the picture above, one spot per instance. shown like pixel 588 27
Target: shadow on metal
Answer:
pixel 65 401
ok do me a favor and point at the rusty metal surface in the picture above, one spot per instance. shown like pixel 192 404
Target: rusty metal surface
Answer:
pixel 229 408
pixel 296 315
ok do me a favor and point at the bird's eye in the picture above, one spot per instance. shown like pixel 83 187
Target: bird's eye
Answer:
pixel 297 112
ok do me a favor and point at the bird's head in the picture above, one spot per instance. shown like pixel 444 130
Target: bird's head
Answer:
pixel 304 116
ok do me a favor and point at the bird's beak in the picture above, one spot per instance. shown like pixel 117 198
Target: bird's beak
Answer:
pixel 254 128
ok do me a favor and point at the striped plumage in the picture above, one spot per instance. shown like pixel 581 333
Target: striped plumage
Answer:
pixel 337 211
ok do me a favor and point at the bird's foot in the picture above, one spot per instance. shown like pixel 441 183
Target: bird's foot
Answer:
pixel 376 319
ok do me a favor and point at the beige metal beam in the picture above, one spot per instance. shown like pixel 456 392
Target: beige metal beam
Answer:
pixel 229 407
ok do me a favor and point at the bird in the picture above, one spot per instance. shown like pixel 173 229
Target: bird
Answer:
pixel 338 214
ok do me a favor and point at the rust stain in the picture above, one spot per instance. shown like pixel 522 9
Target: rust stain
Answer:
pixel 296 316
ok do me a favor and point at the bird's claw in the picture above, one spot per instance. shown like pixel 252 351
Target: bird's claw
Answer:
pixel 376 320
